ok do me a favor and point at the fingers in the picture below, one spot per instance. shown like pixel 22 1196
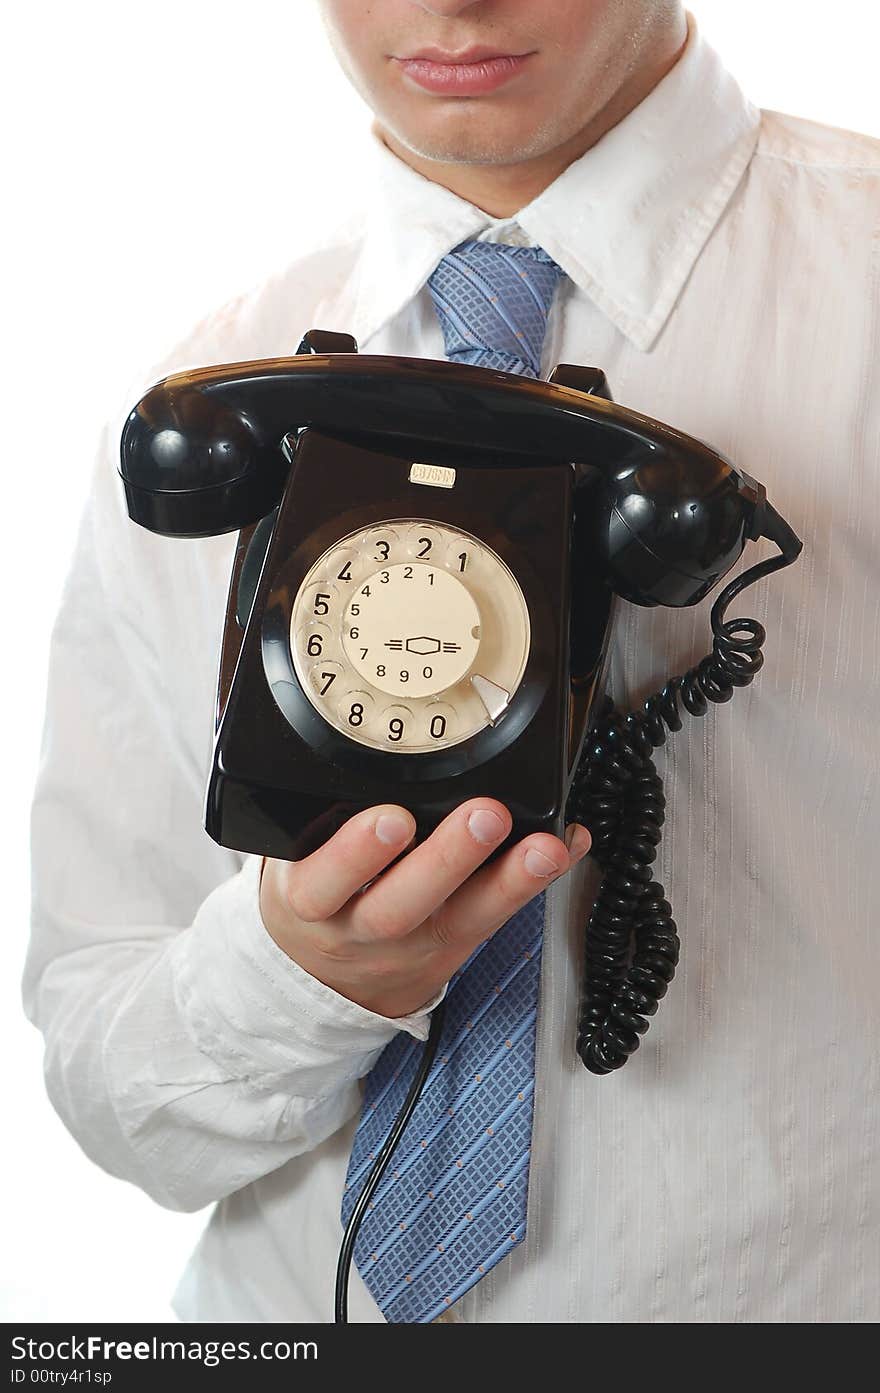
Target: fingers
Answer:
pixel 320 884
pixel 496 892
pixel 439 881
pixel 407 894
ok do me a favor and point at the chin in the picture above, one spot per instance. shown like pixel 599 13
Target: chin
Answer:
pixel 476 141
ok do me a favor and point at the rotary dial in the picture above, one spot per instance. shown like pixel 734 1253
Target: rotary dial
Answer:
pixel 410 636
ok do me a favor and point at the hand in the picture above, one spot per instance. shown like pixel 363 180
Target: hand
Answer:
pixel 391 946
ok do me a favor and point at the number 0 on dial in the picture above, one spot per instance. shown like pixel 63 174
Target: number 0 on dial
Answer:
pixel 410 636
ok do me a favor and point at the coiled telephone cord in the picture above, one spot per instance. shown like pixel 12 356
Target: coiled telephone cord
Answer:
pixel 632 943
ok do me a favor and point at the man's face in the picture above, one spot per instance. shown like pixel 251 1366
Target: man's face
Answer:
pixel 560 62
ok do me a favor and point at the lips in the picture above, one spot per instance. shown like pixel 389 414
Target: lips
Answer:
pixel 469 73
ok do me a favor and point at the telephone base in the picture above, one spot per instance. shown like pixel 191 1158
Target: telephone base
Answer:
pixel 283 777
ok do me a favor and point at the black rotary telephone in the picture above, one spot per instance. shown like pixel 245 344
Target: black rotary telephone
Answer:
pixel 420 604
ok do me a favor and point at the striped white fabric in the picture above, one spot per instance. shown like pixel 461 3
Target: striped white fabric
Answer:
pixel 724 271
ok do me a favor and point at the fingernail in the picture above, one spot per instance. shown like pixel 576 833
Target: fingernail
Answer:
pixel 485 826
pixel 392 829
pixel 577 839
pixel 536 863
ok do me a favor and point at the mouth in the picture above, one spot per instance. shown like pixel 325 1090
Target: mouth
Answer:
pixel 468 73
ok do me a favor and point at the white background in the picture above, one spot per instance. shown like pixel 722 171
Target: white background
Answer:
pixel 163 157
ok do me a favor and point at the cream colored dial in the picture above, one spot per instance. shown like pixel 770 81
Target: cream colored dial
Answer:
pixel 410 636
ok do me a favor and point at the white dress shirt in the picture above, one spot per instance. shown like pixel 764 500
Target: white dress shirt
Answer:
pixel 723 268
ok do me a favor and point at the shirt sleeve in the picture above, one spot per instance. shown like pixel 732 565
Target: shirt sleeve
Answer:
pixel 184 1050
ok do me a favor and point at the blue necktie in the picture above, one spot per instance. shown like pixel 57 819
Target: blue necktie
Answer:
pixel 453 1201
pixel 492 301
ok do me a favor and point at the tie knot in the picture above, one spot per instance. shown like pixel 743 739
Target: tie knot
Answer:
pixel 492 301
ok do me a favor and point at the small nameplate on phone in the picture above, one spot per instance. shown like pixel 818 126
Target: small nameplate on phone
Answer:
pixel 434 474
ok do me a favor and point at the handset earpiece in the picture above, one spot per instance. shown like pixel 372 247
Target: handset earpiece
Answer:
pixel 666 527
pixel 194 466
pixel 201 452
pixel 665 522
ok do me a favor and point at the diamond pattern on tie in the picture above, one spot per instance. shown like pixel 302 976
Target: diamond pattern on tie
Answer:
pixel 492 301
pixel 453 1201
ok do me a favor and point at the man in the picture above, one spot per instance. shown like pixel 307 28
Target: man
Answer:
pixel 207 1026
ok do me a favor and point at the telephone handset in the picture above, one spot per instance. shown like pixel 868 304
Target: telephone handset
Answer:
pixel 420 604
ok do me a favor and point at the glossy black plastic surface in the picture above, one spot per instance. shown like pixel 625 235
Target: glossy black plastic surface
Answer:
pixel 283 779
pixel 200 454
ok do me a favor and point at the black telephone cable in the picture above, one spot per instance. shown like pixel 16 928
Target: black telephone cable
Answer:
pixel 380 1164
pixel 631 941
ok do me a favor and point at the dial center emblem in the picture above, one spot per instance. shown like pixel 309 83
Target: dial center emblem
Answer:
pixel 412 629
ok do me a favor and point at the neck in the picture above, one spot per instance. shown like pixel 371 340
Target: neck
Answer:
pixel 502 189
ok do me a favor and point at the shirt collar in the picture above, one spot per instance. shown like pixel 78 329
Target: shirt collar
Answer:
pixel 626 221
